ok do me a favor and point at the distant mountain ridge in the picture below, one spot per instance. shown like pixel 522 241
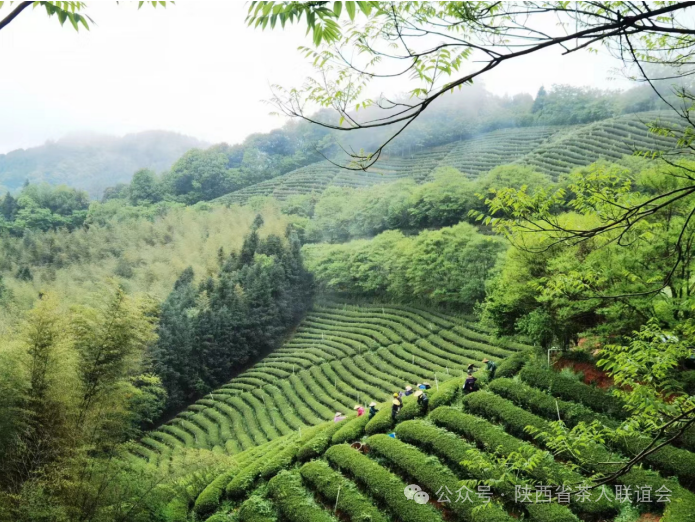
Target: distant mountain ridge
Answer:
pixel 93 162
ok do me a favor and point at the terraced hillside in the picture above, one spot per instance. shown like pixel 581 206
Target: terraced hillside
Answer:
pixel 317 177
pixel 552 150
pixel 609 139
pixel 340 355
pixel 318 476
pixel 487 151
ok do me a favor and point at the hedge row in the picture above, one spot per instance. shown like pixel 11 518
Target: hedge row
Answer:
pixel 669 460
pixel 510 366
pixel 317 445
pixel 381 422
pixel 368 378
pixel 291 498
pixel 455 451
pixel 307 414
pixel 321 394
pixel 329 388
pixel 257 509
pixel 363 338
pixel 381 335
pixel 354 386
pixel 246 477
pixel 432 476
pixel 515 419
pixel 374 360
pixel 332 486
pixel 570 389
pixel 474 345
pixel 491 438
pixel 210 498
pixel 458 357
pixel 544 404
pixel 387 374
pixel 382 323
pixel 315 403
pixel 400 320
pixel 381 484
pixel 276 415
pixel 351 430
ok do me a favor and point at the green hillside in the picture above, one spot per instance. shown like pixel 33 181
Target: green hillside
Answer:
pixel 93 162
pixel 552 150
pixel 290 462
pixel 339 355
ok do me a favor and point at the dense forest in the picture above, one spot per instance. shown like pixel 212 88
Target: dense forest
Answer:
pixel 296 327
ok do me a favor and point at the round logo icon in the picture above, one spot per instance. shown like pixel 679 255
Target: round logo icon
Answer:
pixel 421 497
pixel 411 490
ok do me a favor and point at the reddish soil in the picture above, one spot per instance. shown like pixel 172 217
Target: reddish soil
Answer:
pixel 648 517
pixel 592 374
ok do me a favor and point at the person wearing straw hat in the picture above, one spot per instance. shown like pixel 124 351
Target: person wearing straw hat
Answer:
pixel 396 406
pixel 339 417
pixel 491 367
pixel 359 409
pixel 471 367
pixel 423 401
pixel 425 386
pixel 372 410
pixel 408 391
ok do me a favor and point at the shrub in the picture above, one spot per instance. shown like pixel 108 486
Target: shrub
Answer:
pixel 569 389
pixel 510 366
pixel 210 498
pixel 515 419
pixel 177 509
pixel 455 451
pixel 280 461
pixel 246 477
pixel 543 404
pixel 294 504
pixel 432 476
pixel 670 460
pixel 381 484
pixel 491 438
pixel 257 509
pixel 328 483
pixel 318 444
pixel 447 393
pixel 381 422
pixel 350 430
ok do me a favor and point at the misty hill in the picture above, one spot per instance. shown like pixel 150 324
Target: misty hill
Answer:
pixel 553 150
pixel 93 162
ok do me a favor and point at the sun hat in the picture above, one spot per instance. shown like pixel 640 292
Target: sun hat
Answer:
pixel 372 403
pixel 395 401
pixel 408 387
pixel 418 393
pixel 337 413
pixel 395 394
pixel 357 406
pixel 486 360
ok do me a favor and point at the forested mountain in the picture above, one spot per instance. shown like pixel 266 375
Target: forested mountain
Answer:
pixel 93 162
pixel 293 158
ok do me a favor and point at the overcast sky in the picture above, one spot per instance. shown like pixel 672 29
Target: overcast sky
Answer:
pixel 193 68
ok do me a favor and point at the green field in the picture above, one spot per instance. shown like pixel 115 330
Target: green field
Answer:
pixel 339 355
pixel 290 458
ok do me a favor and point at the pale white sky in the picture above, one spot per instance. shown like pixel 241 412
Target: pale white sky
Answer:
pixel 193 68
